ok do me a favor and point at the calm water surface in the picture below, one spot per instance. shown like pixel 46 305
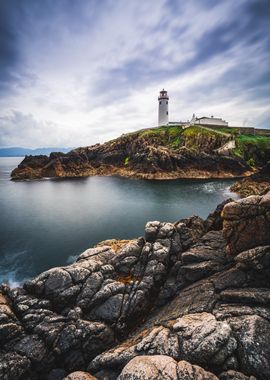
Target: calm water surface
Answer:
pixel 46 223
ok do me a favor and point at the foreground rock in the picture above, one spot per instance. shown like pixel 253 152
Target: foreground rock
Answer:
pixel 160 367
pixel 79 375
pixel 247 223
pixel 190 300
pixel 167 152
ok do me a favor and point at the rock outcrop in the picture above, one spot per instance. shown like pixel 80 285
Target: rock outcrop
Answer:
pixel 79 375
pixel 188 301
pixel 256 184
pixel 247 223
pixel 167 152
pixel 160 367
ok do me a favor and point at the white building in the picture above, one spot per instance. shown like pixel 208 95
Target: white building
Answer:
pixel 163 115
pixel 163 108
pixel 215 121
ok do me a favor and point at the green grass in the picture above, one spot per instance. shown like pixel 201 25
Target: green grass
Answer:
pixel 244 141
pixel 260 141
pixel 251 162
pixel 232 131
pixel 172 131
pixel 195 130
pixel 204 139
pixel 247 145
pixel 176 142
pixel 225 129
pixel 164 135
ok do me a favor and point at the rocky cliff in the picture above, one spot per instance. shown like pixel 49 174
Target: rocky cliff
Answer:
pixel 189 300
pixel 166 152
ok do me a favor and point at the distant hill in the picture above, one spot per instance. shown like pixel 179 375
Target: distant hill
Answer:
pixel 21 152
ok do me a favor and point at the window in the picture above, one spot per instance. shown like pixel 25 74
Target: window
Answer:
pixel 167 112
pixel 167 102
pixel 160 102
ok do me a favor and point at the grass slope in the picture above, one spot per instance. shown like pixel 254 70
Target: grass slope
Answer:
pixel 255 150
pixel 170 137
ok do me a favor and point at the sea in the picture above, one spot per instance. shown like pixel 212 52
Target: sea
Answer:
pixel 49 222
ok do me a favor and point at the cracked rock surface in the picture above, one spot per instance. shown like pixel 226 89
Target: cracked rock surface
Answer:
pixel 188 301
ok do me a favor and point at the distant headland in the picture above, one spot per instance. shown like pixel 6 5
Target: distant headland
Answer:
pixel 21 152
pixel 205 147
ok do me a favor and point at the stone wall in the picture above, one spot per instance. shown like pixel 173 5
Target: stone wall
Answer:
pixel 240 130
pixel 262 132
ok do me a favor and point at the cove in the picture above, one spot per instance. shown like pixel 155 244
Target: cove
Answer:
pixel 48 223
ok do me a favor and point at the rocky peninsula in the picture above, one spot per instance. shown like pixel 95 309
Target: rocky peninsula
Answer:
pixel 158 153
pixel 189 300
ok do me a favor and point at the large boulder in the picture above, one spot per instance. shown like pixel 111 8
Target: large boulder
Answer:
pixel 247 223
pixel 158 367
pixel 162 367
pixel 194 337
pixel 79 375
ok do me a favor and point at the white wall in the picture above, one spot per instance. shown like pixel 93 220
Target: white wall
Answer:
pixel 212 121
pixel 163 112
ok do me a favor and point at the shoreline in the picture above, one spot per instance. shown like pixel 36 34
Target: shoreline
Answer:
pixel 143 176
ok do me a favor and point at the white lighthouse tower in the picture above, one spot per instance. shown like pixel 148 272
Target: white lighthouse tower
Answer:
pixel 163 107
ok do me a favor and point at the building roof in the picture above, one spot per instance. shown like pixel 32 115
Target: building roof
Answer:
pixel 178 122
pixel 208 117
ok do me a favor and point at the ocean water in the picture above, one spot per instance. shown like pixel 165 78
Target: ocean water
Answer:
pixel 49 222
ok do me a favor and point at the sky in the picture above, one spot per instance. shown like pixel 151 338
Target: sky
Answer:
pixel 74 73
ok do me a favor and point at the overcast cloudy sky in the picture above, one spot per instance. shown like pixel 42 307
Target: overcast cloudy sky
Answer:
pixel 79 72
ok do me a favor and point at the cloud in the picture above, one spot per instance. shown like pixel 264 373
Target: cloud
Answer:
pixel 8 52
pixel 17 127
pixel 76 73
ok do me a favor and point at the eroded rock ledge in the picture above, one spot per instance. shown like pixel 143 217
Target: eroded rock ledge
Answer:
pixel 189 301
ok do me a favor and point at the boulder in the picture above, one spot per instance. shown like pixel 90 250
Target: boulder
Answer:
pixel 162 367
pixel 187 371
pixel 247 223
pixel 234 375
pixel 79 375
pixel 194 337
pixel 158 367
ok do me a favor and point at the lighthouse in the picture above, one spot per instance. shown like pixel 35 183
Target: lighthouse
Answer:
pixel 163 107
